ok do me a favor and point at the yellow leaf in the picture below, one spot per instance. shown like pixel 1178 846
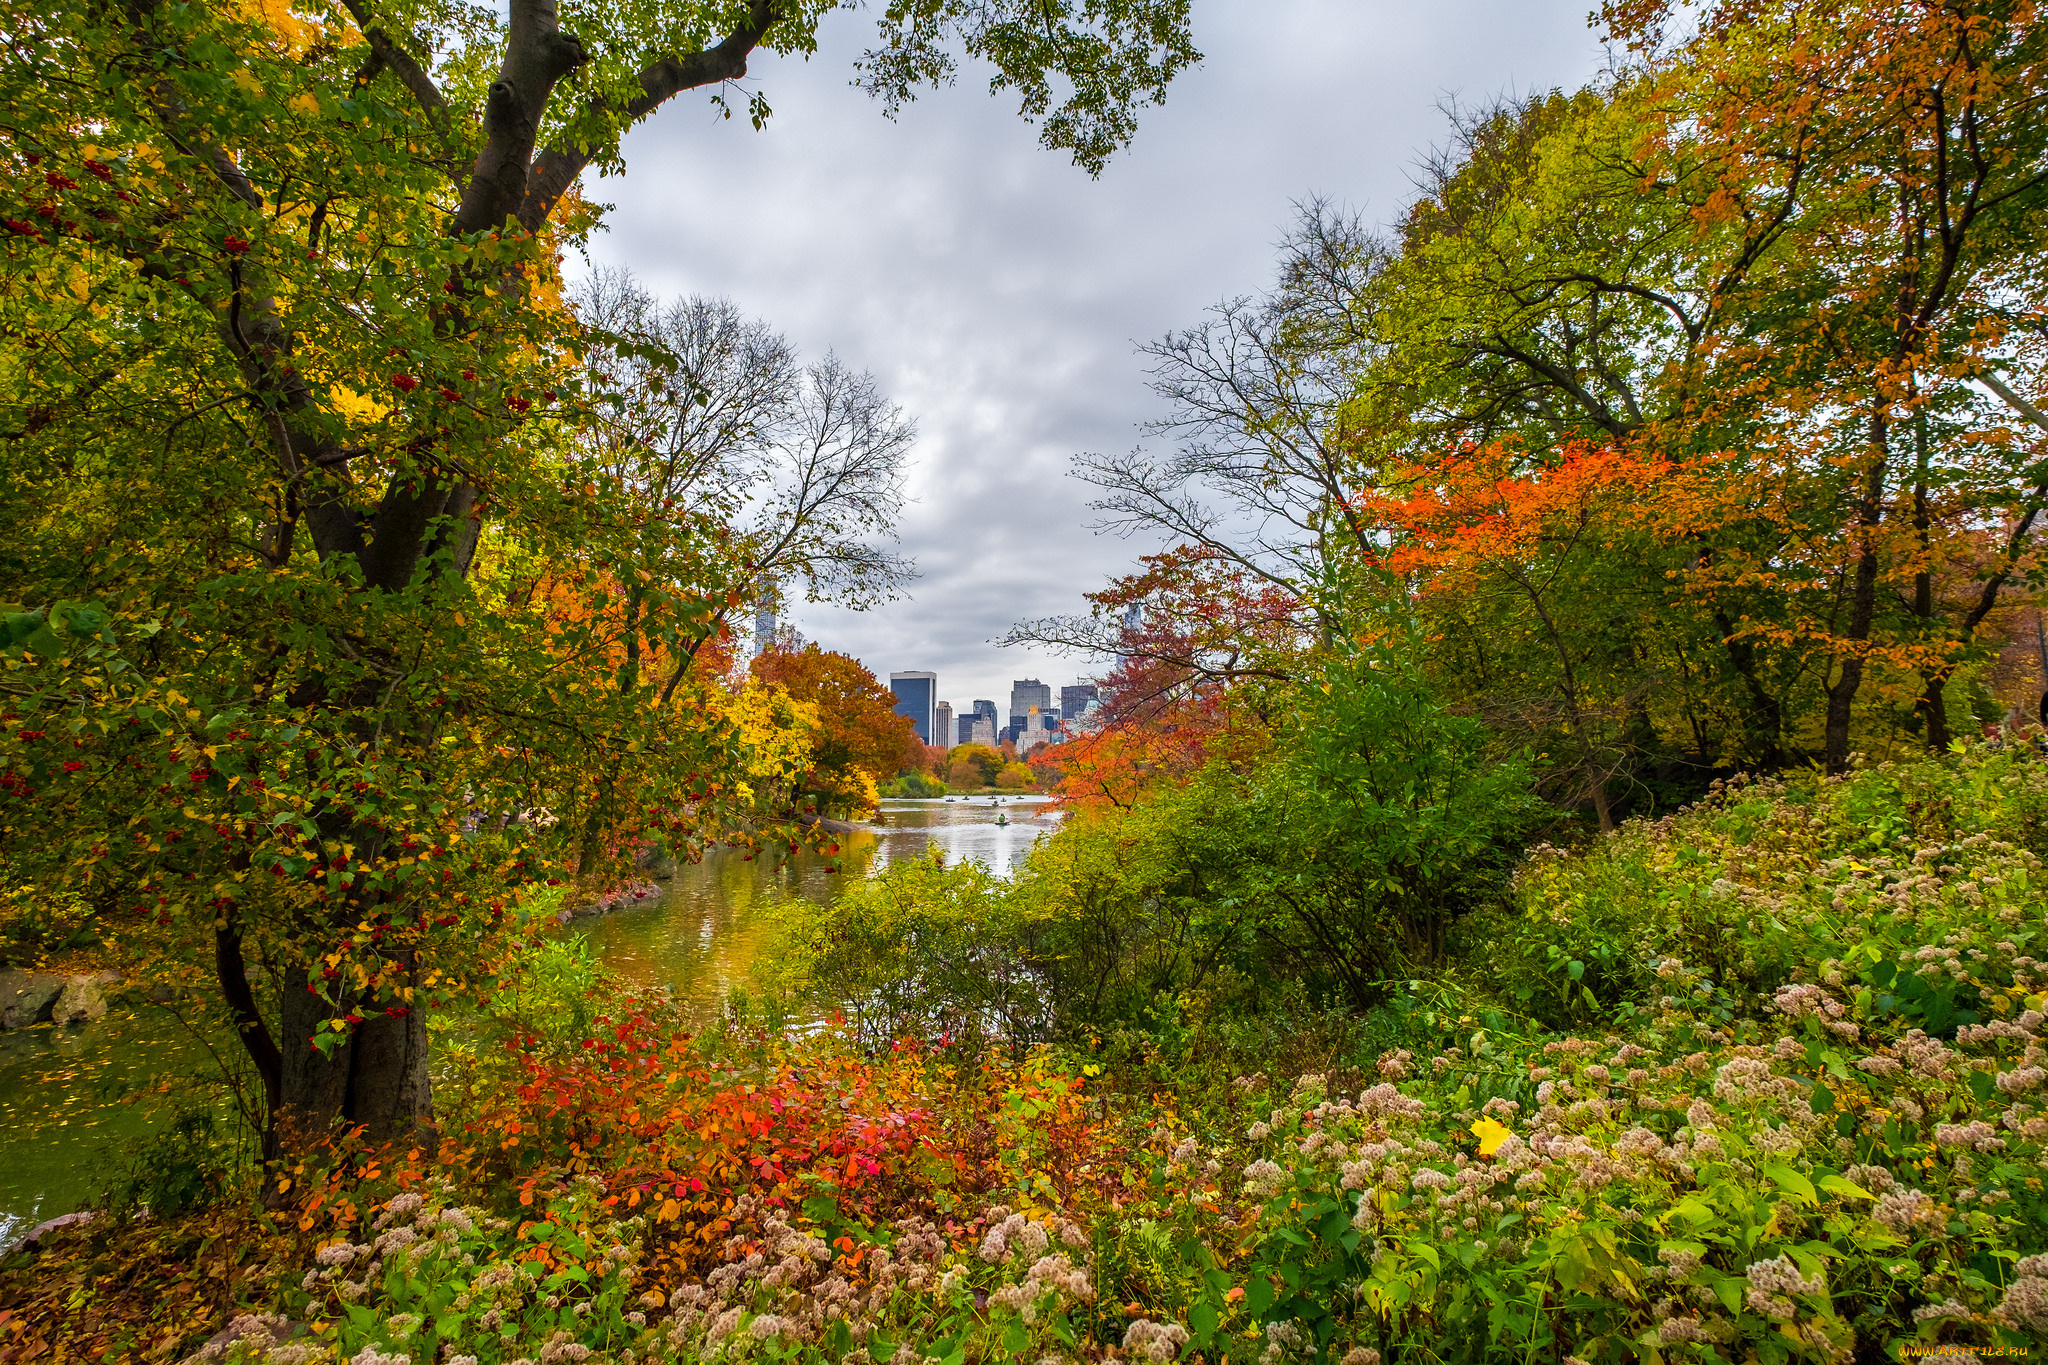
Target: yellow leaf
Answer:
pixel 668 1211
pixel 1491 1135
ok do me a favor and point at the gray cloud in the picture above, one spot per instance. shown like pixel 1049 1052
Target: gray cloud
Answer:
pixel 996 292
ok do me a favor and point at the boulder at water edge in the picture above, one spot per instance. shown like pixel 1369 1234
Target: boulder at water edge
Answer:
pixel 79 1002
pixel 28 998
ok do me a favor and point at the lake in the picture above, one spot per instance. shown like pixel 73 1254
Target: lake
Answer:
pixel 65 1112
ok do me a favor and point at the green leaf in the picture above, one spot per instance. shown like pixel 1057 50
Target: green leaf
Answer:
pixel 1792 1182
pixel 1842 1185
pixel 1983 1084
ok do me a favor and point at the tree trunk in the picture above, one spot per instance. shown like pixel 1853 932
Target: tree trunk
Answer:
pixel 1933 705
pixel 1766 713
pixel 1862 598
pixel 377 1077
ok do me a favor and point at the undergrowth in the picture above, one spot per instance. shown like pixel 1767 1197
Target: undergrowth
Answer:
pixel 1762 1081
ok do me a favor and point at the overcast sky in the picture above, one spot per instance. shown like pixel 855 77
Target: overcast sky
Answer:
pixel 996 292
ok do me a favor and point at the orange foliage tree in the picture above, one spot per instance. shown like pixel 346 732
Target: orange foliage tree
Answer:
pixel 861 741
pixel 1199 645
pixel 1867 179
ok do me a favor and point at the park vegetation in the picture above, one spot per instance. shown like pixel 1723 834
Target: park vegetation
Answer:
pixel 1558 878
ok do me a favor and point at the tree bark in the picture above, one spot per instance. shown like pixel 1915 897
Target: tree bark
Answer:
pixel 1862 596
pixel 378 1077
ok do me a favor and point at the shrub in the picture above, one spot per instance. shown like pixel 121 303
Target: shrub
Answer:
pixel 923 949
pixel 916 786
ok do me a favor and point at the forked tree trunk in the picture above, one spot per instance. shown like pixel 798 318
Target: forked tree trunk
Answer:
pixel 1862 595
pixel 378 1076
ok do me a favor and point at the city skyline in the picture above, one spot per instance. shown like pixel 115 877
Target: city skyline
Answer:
pixel 919 696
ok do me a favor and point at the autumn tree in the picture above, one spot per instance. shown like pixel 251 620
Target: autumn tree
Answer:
pixel 1901 147
pixel 303 255
pixel 973 765
pixel 861 740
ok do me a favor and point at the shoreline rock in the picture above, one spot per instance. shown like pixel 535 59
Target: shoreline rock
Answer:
pixel 35 1235
pixel 618 898
pixel 30 998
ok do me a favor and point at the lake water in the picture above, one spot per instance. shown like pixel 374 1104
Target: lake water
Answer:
pixel 64 1112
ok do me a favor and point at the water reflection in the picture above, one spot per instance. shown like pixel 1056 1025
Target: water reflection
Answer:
pixel 67 1106
pixel 702 936
pixel 62 1115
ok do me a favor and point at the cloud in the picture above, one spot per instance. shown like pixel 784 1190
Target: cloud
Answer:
pixel 997 292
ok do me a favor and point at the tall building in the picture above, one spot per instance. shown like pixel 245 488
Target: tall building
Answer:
pixel 1026 693
pixel 983 725
pixel 917 696
pixel 764 615
pixel 1074 700
pixel 1032 734
pixel 942 724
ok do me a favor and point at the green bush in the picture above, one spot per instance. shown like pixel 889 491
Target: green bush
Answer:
pixel 924 949
pixel 1329 874
pixel 916 787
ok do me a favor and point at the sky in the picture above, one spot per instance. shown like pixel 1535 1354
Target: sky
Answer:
pixel 997 293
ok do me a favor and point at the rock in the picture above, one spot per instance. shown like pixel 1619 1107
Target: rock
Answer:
pixel 618 898
pixel 40 1230
pixel 27 997
pixel 79 1002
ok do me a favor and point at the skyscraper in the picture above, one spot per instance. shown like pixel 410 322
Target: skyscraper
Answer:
pixel 1026 693
pixel 764 615
pixel 917 696
pixel 942 724
pixel 982 727
pixel 1075 699
pixel 1032 734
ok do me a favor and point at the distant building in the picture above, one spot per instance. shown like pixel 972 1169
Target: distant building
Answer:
pixel 979 729
pixel 942 724
pixel 1025 695
pixel 917 696
pixel 1074 700
pixel 1033 734
pixel 764 616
